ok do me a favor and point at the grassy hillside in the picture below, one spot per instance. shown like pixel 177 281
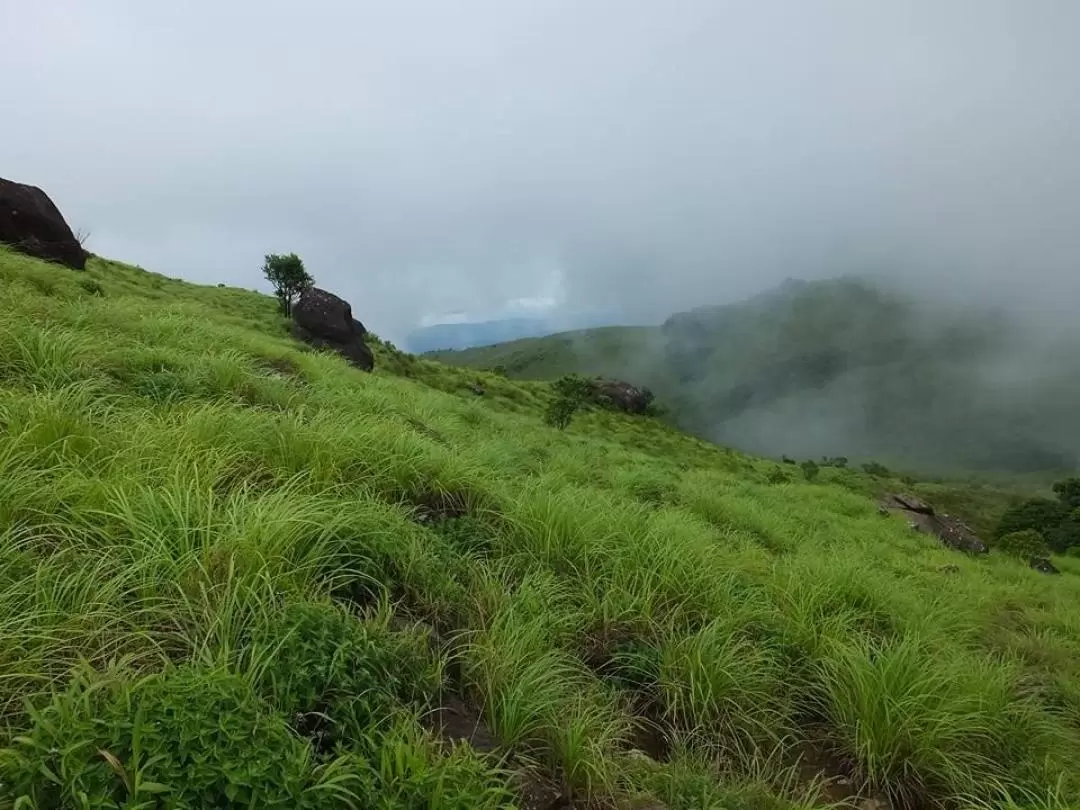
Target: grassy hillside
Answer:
pixel 840 368
pixel 237 573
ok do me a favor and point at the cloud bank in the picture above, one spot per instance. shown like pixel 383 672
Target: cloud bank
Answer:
pixel 428 157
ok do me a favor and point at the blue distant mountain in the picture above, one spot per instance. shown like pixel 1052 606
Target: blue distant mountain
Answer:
pixel 485 333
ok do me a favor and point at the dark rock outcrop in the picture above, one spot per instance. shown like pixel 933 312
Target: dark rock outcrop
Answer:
pixel 32 224
pixel 952 531
pixel 621 396
pixel 325 321
pixel 1044 565
pixel 908 503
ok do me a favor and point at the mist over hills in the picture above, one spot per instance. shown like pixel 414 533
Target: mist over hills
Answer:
pixel 842 366
pixel 470 334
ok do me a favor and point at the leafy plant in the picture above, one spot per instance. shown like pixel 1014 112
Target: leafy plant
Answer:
pixel 1025 544
pixel 288 277
pixel 810 469
pixel 1057 521
pixel 876 470
pixel 573 387
pixel 777 476
pixel 192 739
pixel 560 411
pixel 319 660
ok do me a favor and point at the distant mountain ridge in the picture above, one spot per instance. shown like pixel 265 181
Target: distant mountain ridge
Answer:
pixel 842 366
pixel 465 335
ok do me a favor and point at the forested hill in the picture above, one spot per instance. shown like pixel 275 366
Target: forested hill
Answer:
pixel 839 367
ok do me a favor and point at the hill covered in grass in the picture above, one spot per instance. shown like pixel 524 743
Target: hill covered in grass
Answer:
pixel 840 367
pixel 238 573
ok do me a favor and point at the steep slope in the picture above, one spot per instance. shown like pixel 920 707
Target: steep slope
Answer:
pixel 841 368
pixel 234 572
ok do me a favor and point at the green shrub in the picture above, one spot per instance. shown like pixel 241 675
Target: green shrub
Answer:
pixel 1068 492
pixel 810 469
pixel 1035 513
pixel 573 387
pixel 1025 544
pixel 190 739
pixel 1065 535
pixel 876 470
pixel 1058 521
pixel 320 659
pixel 777 476
pixel 91 286
pixel 560 412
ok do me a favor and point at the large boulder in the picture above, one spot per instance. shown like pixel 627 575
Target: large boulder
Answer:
pixel 32 224
pixel 621 395
pixel 952 531
pixel 325 321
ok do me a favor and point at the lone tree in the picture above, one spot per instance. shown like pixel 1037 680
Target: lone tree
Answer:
pixel 287 274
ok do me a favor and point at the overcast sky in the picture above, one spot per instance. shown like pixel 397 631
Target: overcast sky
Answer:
pixel 475 157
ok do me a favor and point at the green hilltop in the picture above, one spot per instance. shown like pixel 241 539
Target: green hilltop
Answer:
pixel 839 367
pixel 237 572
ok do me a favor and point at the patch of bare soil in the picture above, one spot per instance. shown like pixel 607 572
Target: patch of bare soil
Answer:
pixel 279 367
pixel 425 430
pixel 817 762
pixel 456 721
pixel 434 507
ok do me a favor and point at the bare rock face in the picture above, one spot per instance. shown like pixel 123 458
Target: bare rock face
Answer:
pixel 32 224
pixel 621 395
pixel 952 531
pixel 907 502
pixel 323 320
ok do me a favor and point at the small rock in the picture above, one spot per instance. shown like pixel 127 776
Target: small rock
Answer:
pixel 1044 565
pixel 476 388
pixel 950 569
pixel 621 395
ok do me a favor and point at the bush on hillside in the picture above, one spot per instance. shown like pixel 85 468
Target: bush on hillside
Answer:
pixel 810 469
pixel 1024 544
pixel 573 387
pixel 778 476
pixel 876 470
pixel 572 391
pixel 1068 492
pixel 1057 521
pixel 289 278
pixel 191 738
pixel 834 461
pixel 560 412
pixel 327 661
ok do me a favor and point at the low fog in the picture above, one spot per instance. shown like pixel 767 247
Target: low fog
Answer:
pixel 431 159
pixel 452 162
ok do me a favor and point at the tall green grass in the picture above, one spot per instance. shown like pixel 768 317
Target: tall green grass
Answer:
pixel 208 531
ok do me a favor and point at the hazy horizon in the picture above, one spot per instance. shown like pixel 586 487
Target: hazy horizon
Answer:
pixel 428 159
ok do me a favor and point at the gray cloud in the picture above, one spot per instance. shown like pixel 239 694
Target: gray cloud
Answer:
pixel 429 157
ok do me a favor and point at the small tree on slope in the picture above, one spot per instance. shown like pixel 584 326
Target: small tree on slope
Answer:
pixel 289 278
